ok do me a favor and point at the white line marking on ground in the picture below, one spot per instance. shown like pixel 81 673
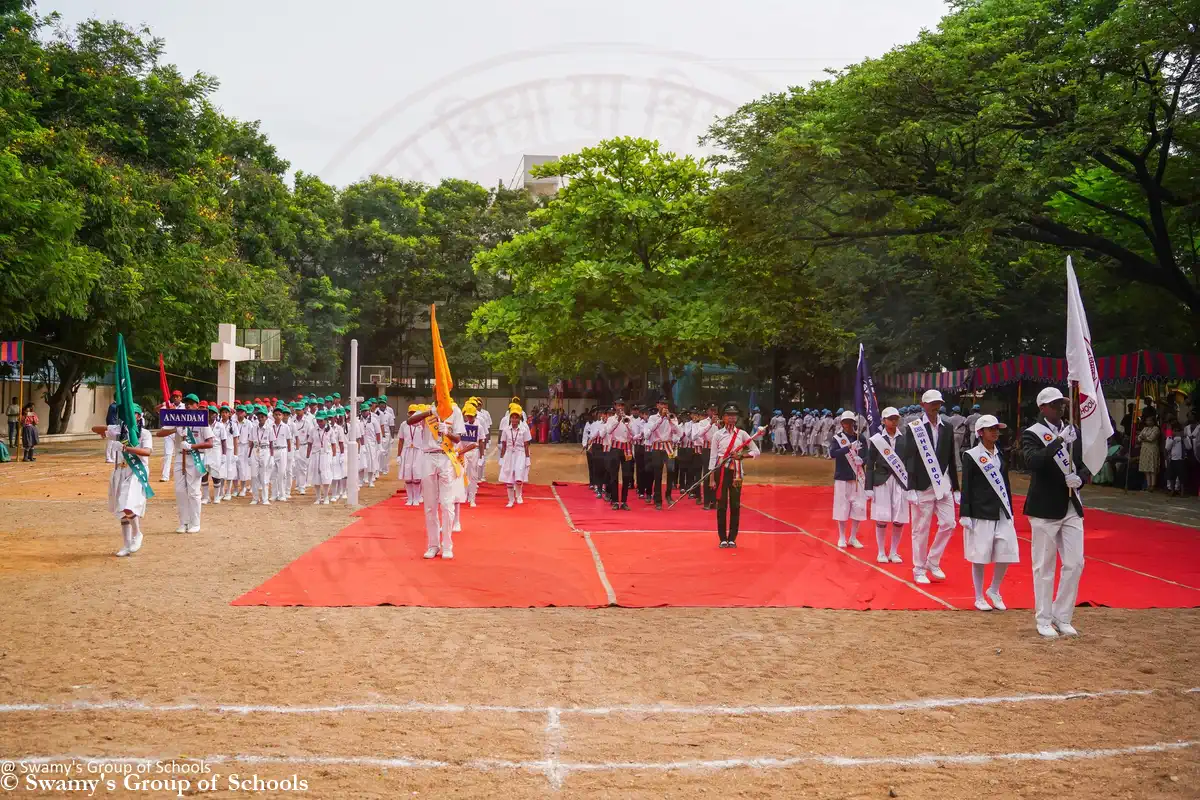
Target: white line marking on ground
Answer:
pixel 554 739
pixel 563 769
pixel 587 537
pixel 850 555
pixel 137 706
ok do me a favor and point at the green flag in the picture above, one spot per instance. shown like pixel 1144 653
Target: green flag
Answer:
pixel 129 424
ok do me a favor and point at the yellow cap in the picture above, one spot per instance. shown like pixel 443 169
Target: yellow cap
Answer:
pixel 413 408
pixel 513 408
pixel 469 410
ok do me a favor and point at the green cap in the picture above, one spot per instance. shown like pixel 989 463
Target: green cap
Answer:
pixel 191 398
pixel 260 409
pixel 328 398
pixel 137 409
pixel 337 396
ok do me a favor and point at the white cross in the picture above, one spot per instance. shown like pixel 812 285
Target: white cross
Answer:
pixel 226 353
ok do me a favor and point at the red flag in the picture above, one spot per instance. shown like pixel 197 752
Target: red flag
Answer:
pixel 162 379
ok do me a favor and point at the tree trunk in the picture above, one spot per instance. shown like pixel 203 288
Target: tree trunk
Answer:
pixel 60 400
pixel 666 381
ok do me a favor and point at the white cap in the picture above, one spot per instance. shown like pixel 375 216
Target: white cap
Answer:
pixel 889 412
pixel 932 396
pixel 848 415
pixel 988 421
pixel 1049 395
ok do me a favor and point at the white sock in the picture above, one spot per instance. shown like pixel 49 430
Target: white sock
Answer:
pixel 881 538
pixel 998 571
pixel 512 494
pixel 841 533
pixel 136 524
pixel 977 580
pixel 897 532
pixel 126 533
pixel 521 491
pixel 854 530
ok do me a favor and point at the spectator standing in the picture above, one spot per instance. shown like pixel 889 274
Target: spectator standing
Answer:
pixel 14 422
pixel 29 432
pixel 1150 459
pixel 1175 460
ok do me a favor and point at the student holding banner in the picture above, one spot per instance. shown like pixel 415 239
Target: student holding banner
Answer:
pixel 933 486
pixel 887 486
pixel 1055 513
pixel 188 467
pixel 847 449
pixel 987 518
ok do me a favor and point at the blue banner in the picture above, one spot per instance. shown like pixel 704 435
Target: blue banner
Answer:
pixel 865 403
pixel 183 417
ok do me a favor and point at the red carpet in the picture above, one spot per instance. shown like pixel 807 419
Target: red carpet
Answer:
pixel 528 556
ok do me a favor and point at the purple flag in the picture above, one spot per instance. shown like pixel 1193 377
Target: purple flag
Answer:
pixel 865 403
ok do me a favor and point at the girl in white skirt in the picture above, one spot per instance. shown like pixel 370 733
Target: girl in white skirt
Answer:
pixel 321 448
pixel 468 446
pixel 986 513
pixel 341 434
pixel 242 444
pixel 514 455
pixel 410 458
pixel 848 451
pixel 887 485
pixel 126 497
pixel 214 459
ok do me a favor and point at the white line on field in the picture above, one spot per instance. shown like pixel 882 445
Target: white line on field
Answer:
pixel 562 769
pixel 850 555
pixel 137 706
pixel 587 537
pixel 554 739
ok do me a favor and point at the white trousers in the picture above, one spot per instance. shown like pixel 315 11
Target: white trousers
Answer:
pixel 260 473
pixel 471 468
pixel 300 467
pixel 438 494
pixel 279 476
pixel 168 457
pixel 926 556
pixel 385 449
pixel 112 451
pixel 187 492
pixel 1055 539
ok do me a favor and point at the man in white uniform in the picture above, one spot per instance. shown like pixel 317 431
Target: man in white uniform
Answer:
pixel 304 428
pixel 188 468
pixel 484 420
pixel 169 444
pixel 281 443
pixel 437 490
pixel 929 458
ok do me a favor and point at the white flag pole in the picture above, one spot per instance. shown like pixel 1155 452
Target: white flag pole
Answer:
pixel 352 446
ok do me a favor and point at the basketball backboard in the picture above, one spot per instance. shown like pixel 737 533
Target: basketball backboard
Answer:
pixel 265 342
pixel 378 375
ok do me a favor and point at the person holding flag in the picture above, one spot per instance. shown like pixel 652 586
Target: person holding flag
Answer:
pixel 176 401
pixel 730 446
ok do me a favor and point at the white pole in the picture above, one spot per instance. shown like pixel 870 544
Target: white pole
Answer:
pixel 352 456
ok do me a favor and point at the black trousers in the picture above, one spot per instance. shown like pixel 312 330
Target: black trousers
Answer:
pixel 639 468
pixel 657 463
pixel 710 492
pixel 599 471
pixel 619 465
pixel 591 462
pixel 730 498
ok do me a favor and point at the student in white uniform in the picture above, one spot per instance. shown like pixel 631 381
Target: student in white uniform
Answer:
pixel 337 425
pixel 320 453
pixel 304 427
pixel 468 448
pixel 411 458
pixel 437 483
pixel 933 486
pixel 887 486
pixel 514 456
pixel 245 423
pixel 484 420
pixel 989 536
pixel 188 468
pixel 126 495
pixel 168 442
pixel 220 458
pixel 779 434
pixel 261 461
pixel 281 445
pixel 848 450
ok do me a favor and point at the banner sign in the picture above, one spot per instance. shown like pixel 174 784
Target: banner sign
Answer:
pixel 183 417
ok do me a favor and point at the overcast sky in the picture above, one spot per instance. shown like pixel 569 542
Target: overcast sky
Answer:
pixel 465 88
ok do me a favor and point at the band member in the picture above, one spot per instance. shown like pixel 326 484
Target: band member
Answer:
pixel 596 448
pixel 848 450
pixel 437 440
pixel 514 456
pixel 661 429
pixel 701 430
pixel 933 486
pixel 730 445
pixel 1055 512
pixel 618 431
pixel 887 487
pixel 126 495
pixel 989 536
pixel 638 426
pixel 188 468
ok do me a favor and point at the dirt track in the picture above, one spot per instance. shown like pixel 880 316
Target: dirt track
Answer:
pixel 158 628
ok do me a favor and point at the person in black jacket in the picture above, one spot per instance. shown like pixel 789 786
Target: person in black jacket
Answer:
pixel 847 450
pixel 926 498
pixel 989 536
pixel 887 486
pixel 1055 513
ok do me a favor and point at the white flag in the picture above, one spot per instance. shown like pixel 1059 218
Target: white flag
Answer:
pixel 1095 426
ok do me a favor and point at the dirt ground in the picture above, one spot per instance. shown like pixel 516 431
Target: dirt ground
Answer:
pixel 142 658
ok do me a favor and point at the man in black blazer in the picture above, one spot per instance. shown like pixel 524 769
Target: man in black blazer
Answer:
pixel 927 499
pixel 1055 513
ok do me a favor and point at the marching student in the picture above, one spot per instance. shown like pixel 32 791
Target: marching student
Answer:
pixel 126 496
pixel 437 483
pixel 779 433
pixel 595 448
pixel 241 459
pixel 303 427
pixel 887 487
pixel 709 494
pixel 468 449
pixel 281 437
pixel 411 459
pixel 618 458
pixel 730 445
pixel 933 486
pixel 259 455
pixel 701 442
pixel 320 451
pixel 484 420
pixel 169 443
pixel 661 428
pixel 337 418
pixel 849 497
pixel 989 536
pixel 189 467
pixel 638 426
pixel 217 460
pixel 514 452
pixel 1055 512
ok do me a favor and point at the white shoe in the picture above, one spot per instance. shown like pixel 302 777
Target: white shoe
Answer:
pixel 217 501
pixel 253 502
pixel 922 579
pixel 510 504
pixel 243 494
pixel 124 551
pixel 458 527
pixel 1066 629
pixel 937 573
pixel 317 502
pixel 982 605
pixel 881 558
pixel 994 596
pixel 283 499
pixel 856 544
pixel 1047 631
pixel 520 501
pixel 136 544
pixel 301 493
pixel 432 552
pixel 895 558
pixel 194 529
pixel 181 529
pixel 472 504
pixel 842 543
pixel 448 553
pixel 266 502
pixel 204 502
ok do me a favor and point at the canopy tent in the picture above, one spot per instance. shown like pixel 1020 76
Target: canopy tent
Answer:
pixel 1127 367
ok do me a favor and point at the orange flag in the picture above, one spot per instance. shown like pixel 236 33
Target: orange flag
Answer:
pixel 443 383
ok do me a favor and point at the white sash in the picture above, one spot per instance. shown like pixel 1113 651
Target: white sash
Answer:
pixel 894 462
pixel 855 460
pixel 929 457
pixel 1061 457
pixel 989 465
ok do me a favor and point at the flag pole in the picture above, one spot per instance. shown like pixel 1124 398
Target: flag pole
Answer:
pixel 20 403
pixel 352 454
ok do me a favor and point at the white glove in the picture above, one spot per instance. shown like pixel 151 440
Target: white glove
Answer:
pixel 958 498
pixel 913 496
pixel 1074 481
pixel 1069 434
pixel 870 494
pixel 186 447
pixel 443 428
pixel 967 523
